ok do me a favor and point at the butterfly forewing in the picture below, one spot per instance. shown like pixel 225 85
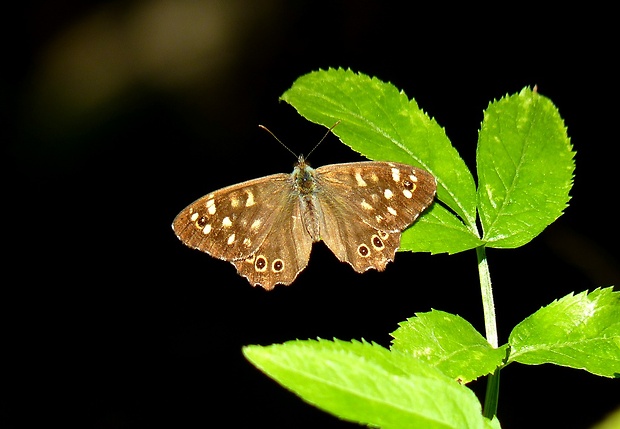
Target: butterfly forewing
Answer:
pixel 386 195
pixel 232 223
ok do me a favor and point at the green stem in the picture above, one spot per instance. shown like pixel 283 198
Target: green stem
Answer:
pixel 490 325
pixel 488 306
pixel 492 395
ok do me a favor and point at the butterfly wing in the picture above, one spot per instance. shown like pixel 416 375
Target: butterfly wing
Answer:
pixel 367 205
pixel 284 252
pixel 256 221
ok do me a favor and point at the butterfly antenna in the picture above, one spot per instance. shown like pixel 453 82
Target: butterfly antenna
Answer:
pixel 321 141
pixel 277 139
pixel 287 148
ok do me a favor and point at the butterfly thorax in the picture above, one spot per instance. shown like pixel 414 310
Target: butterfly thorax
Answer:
pixel 305 187
pixel 304 178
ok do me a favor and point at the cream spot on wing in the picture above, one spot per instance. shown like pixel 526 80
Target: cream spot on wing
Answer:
pixel 210 204
pixel 247 242
pixel 388 194
pixel 366 206
pixel 379 218
pixel 257 223
pixel 374 177
pixel 231 239
pixel 407 193
pixel 358 178
pixel 234 202
pixel 194 217
pixel 206 229
pixel 226 222
pixel 392 211
pixel 396 174
pixel 250 201
pixel 413 177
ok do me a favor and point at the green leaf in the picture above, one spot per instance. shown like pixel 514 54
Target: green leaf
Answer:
pixel 366 383
pixel 525 168
pixel 579 331
pixel 438 231
pixel 492 424
pixel 449 343
pixel 382 123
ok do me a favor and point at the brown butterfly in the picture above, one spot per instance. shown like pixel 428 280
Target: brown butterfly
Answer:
pixel 266 226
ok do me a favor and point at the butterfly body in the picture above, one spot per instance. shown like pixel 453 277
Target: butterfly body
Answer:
pixel 266 226
pixel 306 189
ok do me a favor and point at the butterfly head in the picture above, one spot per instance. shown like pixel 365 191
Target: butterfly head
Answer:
pixel 301 162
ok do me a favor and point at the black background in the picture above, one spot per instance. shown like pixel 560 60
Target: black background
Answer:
pixel 118 114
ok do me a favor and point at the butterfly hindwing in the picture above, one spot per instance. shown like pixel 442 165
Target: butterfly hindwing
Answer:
pixel 284 252
pixel 357 243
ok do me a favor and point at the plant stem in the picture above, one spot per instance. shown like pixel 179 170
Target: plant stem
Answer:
pixel 491 396
pixel 490 325
pixel 488 306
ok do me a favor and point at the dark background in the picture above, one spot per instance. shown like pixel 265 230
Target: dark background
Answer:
pixel 118 114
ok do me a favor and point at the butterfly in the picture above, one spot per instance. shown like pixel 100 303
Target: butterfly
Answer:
pixel 266 227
